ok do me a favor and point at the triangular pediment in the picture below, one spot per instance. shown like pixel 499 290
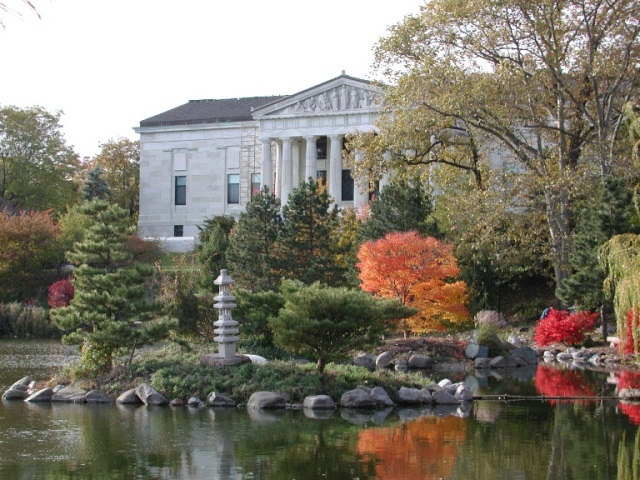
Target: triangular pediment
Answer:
pixel 340 95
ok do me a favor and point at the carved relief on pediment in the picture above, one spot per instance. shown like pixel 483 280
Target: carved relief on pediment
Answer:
pixel 343 97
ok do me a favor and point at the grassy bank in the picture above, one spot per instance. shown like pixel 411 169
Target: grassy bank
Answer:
pixel 177 373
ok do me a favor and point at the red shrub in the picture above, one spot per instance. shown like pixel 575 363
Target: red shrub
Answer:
pixel 561 327
pixel 627 345
pixel 60 293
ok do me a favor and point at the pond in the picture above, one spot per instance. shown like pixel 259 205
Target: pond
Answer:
pixel 534 440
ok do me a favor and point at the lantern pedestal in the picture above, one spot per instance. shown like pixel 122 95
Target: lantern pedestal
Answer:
pixel 226 331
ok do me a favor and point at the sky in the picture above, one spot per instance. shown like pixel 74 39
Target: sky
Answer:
pixel 108 64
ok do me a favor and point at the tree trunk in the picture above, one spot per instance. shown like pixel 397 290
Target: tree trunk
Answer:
pixel 322 362
pixel 560 234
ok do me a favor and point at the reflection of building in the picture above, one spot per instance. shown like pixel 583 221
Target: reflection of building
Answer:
pixel 207 157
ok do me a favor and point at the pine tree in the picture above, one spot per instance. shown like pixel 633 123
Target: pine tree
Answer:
pixel 251 253
pixel 328 323
pixel 112 308
pixel 613 215
pixel 212 248
pixel 308 242
pixel 96 187
pixel 402 206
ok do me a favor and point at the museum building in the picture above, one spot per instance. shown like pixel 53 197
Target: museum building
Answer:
pixel 208 157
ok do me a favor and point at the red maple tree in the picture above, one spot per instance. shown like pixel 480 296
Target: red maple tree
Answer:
pixel 419 271
pixel 560 326
pixel 60 293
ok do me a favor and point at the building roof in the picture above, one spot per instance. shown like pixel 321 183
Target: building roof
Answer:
pixel 210 111
pixel 225 110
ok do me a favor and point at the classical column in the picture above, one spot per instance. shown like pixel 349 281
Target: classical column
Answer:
pixel 278 178
pixel 311 160
pixel 286 170
pixel 361 193
pixel 335 168
pixel 267 165
pixel 360 189
pixel 295 171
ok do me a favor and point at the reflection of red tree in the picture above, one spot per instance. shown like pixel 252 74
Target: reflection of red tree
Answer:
pixel 425 448
pixel 631 410
pixel 553 382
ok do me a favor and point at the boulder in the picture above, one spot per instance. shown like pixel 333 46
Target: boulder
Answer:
pixel 150 396
pixel 475 350
pixel 409 396
pixel 381 397
pixel 629 393
pixel 129 398
pixel 442 397
pixel 319 402
pixel 98 397
pixel 463 393
pixel 514 340
pixel 19 386
pixel 498 362
pixel 357 399
pixel 512 362
pixel 527 354
pixel 70 394
pixel 14 394
pixel 218 400
pixel 564 357
pixel 43 395
pixel 452 388
pixel 365 360
pixel 256 359
pixel 482 362
pixel 267 401
pixel 444 383
pixel 420 361
pixel 384 359
pixel 425 396
pixel 194 402
pixel 176 402
pixel 401 365
pixel 23 382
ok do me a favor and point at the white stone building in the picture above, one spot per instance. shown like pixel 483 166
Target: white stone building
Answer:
pixel 207 157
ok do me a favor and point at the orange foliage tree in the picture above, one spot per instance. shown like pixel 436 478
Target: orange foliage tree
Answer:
pixel 418 271
pixel 28 248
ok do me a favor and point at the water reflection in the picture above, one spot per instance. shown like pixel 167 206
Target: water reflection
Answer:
pixel 484 440
pixel 426 448
pixel 629 380
pixel 562 382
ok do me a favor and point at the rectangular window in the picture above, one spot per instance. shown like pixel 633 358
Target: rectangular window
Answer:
pixel 233 188
pixel 321 177
pixel 178 230
pixel 347 186
pixel 256 183
pixel 181 190
pixel 321 148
